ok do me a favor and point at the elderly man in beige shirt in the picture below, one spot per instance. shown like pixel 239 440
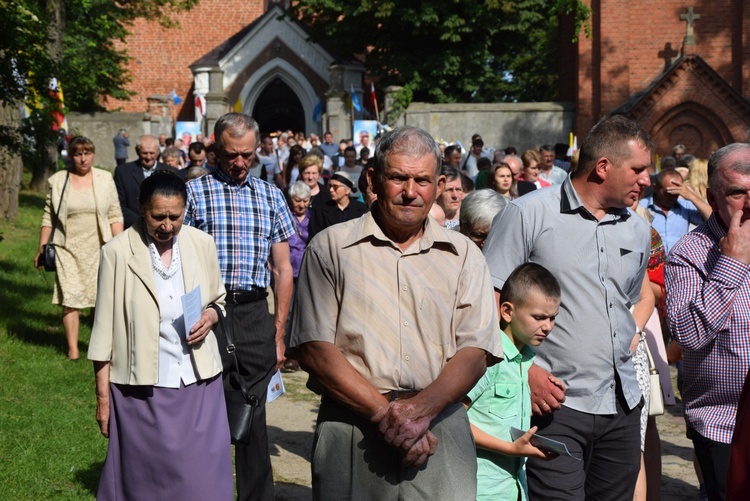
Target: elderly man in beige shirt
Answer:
pixel 396 322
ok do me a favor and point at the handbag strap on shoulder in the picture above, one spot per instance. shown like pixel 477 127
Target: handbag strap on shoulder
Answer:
pixel 59 204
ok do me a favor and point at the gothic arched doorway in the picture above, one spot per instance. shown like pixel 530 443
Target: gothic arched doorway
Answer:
pixel 279 108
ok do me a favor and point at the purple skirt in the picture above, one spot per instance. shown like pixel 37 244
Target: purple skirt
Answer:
pixel 167 443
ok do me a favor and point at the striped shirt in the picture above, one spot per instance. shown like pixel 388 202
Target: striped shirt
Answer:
pixel 244 219
pixel 708 300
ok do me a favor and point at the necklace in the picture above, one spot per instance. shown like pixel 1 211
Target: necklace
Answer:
pixel 158 266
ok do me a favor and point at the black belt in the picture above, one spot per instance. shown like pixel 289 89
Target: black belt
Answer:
pixel 394 395
pixel 240 296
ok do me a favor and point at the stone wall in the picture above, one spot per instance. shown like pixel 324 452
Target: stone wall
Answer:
pixel 102 127
pixel 523 125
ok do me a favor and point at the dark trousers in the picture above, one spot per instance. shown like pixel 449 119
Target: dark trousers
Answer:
pixel 254 337
pixel 713 457
pixel 610 450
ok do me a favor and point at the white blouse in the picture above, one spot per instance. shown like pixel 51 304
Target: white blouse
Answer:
pixel 175 364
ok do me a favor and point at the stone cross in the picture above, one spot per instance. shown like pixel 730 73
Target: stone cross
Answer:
pixel 690 18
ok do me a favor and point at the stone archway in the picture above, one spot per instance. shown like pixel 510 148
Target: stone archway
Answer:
pixel 700 129
pixel 277 107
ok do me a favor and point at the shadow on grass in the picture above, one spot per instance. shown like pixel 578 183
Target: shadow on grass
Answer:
pixel 41 337
pixel 31 200
pixel 89 478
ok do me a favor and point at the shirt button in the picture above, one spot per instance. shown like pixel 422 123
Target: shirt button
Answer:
pixel 170 297
pixel 407 358
pixel 405 288
pixel 601 249
pixel 610 305
pixel 406 323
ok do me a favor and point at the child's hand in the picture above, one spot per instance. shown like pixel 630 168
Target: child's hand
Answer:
pixel 557 382
pixel 524 447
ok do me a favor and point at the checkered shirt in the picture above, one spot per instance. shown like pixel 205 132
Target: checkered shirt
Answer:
pixel 244 219
pixel 708 309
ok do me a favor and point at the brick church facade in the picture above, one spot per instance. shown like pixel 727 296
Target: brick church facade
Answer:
pixel 681 68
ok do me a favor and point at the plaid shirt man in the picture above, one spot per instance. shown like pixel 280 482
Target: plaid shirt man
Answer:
pixel 708 299
pixel 245 219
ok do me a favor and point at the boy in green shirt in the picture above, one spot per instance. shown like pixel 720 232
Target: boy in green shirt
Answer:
pixel 529 303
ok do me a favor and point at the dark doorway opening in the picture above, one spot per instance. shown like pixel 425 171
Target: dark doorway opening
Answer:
pixel 279 108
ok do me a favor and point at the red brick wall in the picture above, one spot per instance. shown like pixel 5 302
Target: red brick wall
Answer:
pixel 161 58
pixel 624 56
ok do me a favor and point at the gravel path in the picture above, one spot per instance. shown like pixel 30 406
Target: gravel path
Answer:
pixel 291 421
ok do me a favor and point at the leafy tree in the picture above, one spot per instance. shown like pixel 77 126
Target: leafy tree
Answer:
pixel 452 50
pixel 74 41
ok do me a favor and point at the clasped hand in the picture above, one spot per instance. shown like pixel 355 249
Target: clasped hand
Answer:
pixel 401 425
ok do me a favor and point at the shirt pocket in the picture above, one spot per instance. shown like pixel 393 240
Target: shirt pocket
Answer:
pixel 505 404
pixel 630 266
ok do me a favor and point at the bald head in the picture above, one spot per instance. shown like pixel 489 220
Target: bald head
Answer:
pixel 514 162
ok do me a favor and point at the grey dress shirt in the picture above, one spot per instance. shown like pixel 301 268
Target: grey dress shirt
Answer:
pixel 600 267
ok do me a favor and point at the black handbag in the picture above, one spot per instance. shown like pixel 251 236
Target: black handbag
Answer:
pixel 240 404
pixel 48 249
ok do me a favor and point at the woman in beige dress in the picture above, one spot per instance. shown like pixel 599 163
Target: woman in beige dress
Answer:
pixel 89 215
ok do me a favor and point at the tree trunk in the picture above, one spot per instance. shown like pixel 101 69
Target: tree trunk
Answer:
pixel 46 140
pixel 11 166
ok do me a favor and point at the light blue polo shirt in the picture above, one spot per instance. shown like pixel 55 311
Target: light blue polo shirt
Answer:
pixel 677 222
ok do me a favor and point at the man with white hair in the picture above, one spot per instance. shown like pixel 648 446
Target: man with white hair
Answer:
pixel 129 176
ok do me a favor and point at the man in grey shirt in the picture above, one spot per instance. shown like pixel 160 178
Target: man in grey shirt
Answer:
pixel 584 234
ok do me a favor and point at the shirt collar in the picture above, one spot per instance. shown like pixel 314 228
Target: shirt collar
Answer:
pixel 367 228
pixel 511 352
pixel 716 226
pixel 224 178
pixel 570 202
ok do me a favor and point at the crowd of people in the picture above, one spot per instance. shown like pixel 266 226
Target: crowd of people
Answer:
pixel 448 305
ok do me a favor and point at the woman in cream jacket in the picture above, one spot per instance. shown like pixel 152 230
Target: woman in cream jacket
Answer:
pixel 160 398
pixel 82 205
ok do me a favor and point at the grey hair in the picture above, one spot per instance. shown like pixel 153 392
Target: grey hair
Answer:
pixel 406 140
pixel 717 164
pixel 171 152
pixel 236 125
pixel 480 207
pixel 300 190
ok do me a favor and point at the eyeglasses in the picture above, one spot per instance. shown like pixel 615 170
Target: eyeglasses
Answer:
pixel 476 237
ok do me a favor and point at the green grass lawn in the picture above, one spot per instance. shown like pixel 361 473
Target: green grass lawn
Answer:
pixel 50 446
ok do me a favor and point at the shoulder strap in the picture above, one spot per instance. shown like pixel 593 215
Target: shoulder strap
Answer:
pixel 59 204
